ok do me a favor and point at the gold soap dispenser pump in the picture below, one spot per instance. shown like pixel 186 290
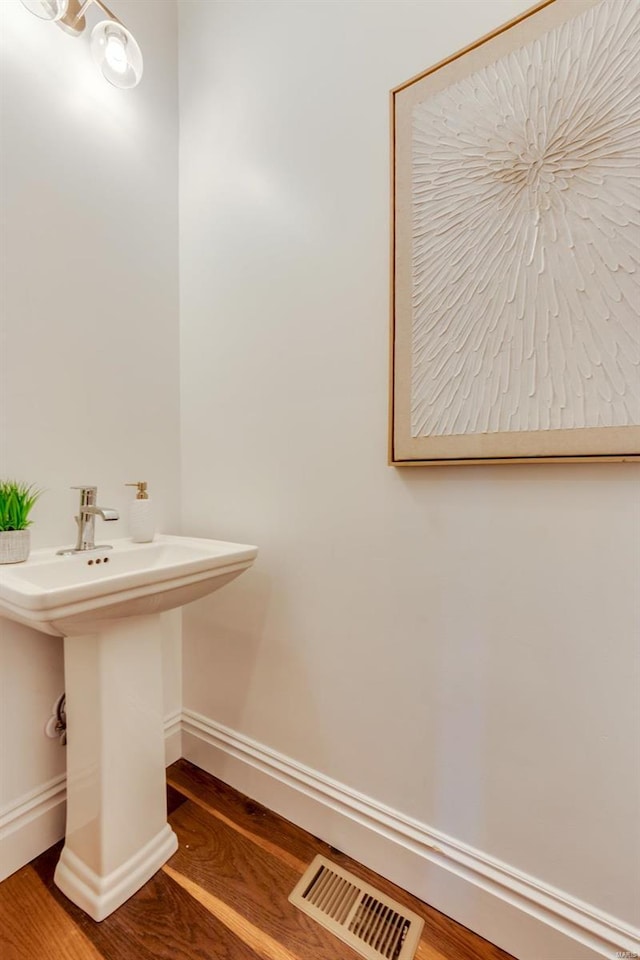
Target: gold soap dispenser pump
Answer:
pixel 142 524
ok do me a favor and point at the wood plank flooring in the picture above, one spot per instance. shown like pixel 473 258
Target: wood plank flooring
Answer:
pixel 222 896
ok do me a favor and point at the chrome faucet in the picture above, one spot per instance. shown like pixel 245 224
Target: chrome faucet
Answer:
pixel 86 520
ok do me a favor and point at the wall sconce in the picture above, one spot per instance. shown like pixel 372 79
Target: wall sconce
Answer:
pixel 114 48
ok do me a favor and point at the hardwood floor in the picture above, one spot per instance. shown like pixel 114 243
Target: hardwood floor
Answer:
pixel 222 896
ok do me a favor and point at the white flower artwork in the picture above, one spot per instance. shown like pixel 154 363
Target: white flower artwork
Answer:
pixel 525 236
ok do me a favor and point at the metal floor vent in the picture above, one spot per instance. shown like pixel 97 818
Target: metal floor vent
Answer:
pixel 373 925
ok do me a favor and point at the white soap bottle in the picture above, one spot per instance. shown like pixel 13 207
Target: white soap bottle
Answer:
pixel 142 522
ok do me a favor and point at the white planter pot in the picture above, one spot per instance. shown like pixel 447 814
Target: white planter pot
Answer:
pixel 14 545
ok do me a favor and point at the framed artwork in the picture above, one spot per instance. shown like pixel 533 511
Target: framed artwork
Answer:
pixel 516 244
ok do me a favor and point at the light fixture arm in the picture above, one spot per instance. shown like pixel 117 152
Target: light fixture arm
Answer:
pixel 74 21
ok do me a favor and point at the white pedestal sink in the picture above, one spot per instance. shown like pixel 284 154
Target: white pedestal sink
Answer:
pixel 107 605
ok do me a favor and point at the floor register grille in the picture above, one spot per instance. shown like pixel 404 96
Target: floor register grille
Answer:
pixel 372 924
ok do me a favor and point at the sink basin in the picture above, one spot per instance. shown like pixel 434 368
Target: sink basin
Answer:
pixel 107 605
pixel 73 595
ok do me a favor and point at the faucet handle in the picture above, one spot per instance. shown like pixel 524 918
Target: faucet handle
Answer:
pixel 87 495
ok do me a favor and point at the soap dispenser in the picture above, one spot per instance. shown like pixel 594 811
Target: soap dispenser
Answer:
pixel 142 525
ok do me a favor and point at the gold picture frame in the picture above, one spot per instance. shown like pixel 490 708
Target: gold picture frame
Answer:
pixel 588 405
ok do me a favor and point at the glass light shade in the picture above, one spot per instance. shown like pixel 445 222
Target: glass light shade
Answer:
pixel 47 9
pixel 117 54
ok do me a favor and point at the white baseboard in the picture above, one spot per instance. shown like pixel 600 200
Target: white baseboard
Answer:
pixel 35 821
pixel 529 919
pixel 32 824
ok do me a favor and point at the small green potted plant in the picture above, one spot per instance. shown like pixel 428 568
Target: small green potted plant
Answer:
pixel 16 503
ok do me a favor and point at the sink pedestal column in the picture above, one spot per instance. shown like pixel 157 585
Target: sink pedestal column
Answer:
pixel 117 833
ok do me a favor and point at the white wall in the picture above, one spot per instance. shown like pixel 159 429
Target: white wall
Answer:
pixel 89 312
pixel 457 643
